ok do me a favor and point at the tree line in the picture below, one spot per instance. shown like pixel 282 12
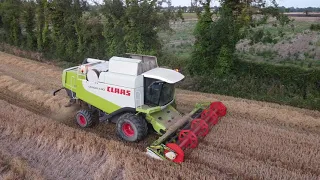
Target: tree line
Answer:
pixel 70 30
pixel 308 9
pixel 194 7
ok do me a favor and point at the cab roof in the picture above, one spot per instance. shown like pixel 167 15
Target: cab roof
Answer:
pixel 166 75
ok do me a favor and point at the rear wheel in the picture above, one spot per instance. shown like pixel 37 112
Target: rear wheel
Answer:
pixel 85 118
pixel 131 127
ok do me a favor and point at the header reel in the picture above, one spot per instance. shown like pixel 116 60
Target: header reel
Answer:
pixel 186 132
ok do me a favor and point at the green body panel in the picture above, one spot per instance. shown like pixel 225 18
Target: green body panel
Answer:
pixel 157 126
pixel 163 119
pixel 72 80
pixel 160 118
pixel 94 100
pixel 148 110
pixel 70 77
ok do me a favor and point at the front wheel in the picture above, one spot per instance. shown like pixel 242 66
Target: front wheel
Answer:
pixel 131 127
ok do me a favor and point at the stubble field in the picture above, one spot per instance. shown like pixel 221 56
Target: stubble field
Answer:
pixel 39 138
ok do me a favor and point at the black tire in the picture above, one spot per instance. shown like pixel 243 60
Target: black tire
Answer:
pixel 131 127
pixel 86 118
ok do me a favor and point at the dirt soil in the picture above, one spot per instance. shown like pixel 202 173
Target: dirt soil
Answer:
pixel 39 138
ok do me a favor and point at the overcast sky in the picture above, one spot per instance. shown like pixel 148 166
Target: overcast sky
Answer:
pixel 286 3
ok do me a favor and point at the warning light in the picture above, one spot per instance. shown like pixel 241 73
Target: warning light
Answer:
pixel 83 69
pixel 177 70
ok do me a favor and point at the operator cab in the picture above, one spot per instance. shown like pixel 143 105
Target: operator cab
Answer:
pixel 158 93
pixel 159 86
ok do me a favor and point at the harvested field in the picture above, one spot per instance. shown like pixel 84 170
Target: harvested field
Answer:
pixel 39 139
pixel 16 168
pixel 315 19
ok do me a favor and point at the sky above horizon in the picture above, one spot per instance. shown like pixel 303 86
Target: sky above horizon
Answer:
pixel 286 3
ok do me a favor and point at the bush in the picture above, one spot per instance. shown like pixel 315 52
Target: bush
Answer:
pixel 267 54
pixel 211 37
pixel 224 62
pixel 256 36
pixel 315 27
pixel 172 61
pixel 267 82
pixel 261 35
pixel 267 38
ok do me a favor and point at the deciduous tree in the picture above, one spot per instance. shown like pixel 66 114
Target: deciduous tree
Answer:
pixel 10 12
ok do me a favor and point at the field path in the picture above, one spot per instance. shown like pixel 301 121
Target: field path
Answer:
pixel 256 140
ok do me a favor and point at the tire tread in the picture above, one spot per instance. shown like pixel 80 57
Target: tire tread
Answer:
pixel 140 124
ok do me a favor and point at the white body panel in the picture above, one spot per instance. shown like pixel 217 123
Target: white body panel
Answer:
pixel 93 76
pixel 91 60
pixel 124 66
pixel 166 75
pixel 121 80
pixel 139 96
pixel 121 89
pixel 123 97
pixel 101 66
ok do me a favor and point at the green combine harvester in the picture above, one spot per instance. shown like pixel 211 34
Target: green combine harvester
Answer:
pixel 137 95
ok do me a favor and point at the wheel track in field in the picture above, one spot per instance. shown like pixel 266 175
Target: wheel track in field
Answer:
pixel 31 93
pixel 44 77
pixel 20 103
pixel 29 66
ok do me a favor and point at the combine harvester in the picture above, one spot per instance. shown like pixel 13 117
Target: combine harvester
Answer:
pixel 138 95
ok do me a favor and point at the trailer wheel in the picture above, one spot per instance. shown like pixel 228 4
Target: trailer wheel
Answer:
pixel 131 127
pixel 85 118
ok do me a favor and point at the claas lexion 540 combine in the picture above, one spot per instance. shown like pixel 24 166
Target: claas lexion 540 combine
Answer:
pixel 137 95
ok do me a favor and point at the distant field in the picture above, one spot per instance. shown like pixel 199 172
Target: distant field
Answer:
pixel 189 16
pixel 292 44
pixel 306 19
pixel 301 14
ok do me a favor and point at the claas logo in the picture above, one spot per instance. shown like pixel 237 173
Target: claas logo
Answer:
pixel 119 91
